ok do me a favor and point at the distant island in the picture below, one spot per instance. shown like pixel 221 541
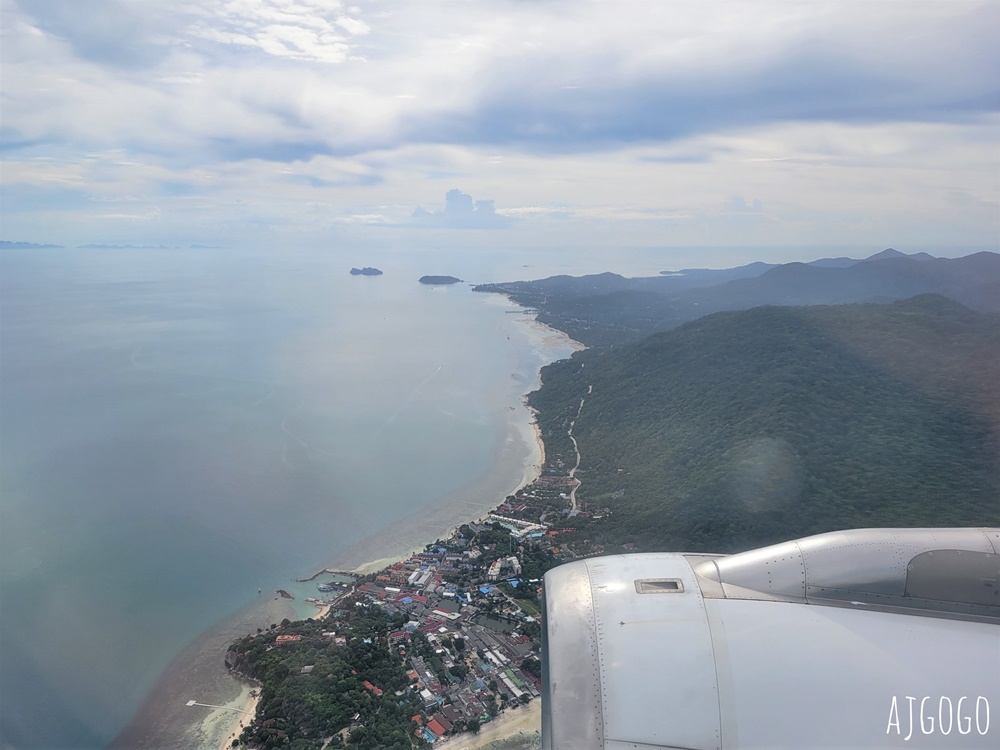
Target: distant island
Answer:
pixel 439 280
pixel 366 271
pixel 8 245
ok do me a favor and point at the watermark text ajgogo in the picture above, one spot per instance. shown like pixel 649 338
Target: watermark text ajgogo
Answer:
pixel 938 715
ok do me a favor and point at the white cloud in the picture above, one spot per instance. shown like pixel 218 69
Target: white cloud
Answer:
pixel 581 119
pixel 307 30
pixel 461 212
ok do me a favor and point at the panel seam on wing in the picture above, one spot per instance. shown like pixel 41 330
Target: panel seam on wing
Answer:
pixel 599 651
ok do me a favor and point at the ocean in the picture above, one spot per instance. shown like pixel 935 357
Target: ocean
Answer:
pixel 180 428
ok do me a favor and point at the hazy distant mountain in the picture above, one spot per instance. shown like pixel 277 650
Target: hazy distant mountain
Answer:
pixel 841 262
pixel 607 309
pixel 123 247
pixel 8 245
pixel 712 276
pixel 891 252
pixel 885 279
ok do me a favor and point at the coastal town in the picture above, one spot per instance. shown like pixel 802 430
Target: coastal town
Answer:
pixel 448 639
pixel 462 622
pixel 478 613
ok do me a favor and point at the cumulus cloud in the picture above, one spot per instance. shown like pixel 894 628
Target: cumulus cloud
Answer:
pixel 126 34
pixel 533 75
pixel 583 111
pixel 461 212
pixel 307 30
pixel 548 81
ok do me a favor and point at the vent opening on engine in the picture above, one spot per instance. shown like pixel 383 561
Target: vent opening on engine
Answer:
pixel 659 586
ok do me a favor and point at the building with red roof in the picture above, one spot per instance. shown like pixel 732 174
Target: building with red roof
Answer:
pixel 448 726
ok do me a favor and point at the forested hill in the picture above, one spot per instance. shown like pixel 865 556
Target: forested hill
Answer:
pixel 745 428
pixel 607 309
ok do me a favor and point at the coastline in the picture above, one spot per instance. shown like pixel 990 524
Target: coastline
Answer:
pixel 164 720
pixel 486 492
pixel 521 449
pixel 228 724
pixel 538 439
pixel 523 723
pixel 521 727
pixel 555 337
pixel 532 471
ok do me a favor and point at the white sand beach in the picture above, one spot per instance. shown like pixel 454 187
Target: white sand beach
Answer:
pixel 523 722
pixel 223 724
pixel 231 725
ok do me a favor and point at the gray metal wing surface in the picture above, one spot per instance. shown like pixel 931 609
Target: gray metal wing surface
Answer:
pixel 852 639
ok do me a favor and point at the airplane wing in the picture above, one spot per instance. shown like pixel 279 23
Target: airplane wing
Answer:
pixel 851 639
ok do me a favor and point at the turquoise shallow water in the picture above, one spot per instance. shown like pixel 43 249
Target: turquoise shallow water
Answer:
pixel 179 428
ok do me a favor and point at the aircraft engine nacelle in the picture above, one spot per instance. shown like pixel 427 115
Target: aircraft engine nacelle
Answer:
pixel 852 639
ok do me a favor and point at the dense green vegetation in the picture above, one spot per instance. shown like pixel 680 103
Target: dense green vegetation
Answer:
pixel 300 711
pixel 741 429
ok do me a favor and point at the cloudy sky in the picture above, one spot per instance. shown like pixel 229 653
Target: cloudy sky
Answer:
pixel 227 122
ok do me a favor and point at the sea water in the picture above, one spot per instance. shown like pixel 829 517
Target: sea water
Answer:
pixel 181 428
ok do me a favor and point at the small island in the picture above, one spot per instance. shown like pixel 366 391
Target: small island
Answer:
pixel 439 280
pixel 366 271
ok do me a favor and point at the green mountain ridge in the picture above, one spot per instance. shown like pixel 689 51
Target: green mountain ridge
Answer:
pixel 745 428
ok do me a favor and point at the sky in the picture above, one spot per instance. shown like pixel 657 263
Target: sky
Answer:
pixel 501 124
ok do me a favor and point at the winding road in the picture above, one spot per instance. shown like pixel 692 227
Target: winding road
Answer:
pixel 576 448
